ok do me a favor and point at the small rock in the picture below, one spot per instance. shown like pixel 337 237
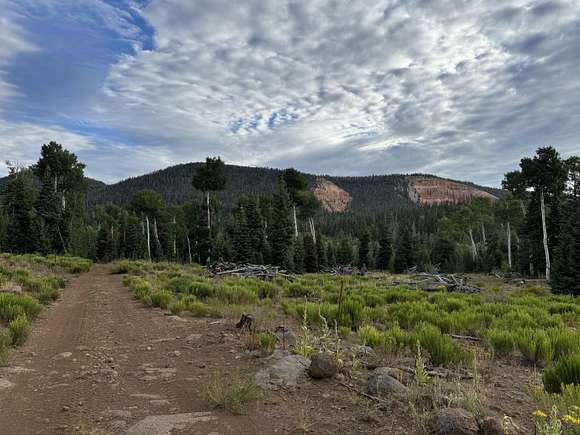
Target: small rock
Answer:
pixel 149 348
pixel 491 426
pixel 166 424
pixel 177 319
pixel 323 365
pixel 65 408
pixel 285 370
pixel 452 421
pixel 382 384
pixel 365 351
pixel 193 337
pixel 63 355
pixel 176 353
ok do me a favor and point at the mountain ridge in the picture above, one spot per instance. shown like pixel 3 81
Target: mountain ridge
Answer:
pixel 369 193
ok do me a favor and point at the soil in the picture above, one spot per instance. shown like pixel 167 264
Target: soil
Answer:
pixel 100 362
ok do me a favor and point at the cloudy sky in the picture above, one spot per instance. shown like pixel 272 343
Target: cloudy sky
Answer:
pixel 458 88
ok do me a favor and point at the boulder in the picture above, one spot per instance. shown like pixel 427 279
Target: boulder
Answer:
pixel 323 365
pixel 491 426
pixel 452 421
pixel 381 383
pixel 284 370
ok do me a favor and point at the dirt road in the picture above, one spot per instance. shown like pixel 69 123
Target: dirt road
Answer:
pixel 98 361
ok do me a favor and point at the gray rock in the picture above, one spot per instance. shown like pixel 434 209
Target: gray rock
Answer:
pixel 382 384
pixel 452 421
pixel 491 426
pixel 365 351
pixel 166 424
pixel 63 355
pixel 323 365
pixel 5 384
pixel 285 370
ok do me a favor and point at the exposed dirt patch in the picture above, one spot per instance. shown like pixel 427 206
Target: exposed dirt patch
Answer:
pixel 430 190
pixel 333 198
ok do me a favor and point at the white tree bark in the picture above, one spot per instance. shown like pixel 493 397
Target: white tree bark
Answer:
pixel 509 245
pixel 295 221
pixel 483 233
pixel 312 229
pixel 148 238
pixel 208 210
pixel 473 246
pixel 545 232
pixel 189 249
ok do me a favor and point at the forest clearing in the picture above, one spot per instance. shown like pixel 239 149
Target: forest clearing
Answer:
pixel 146 348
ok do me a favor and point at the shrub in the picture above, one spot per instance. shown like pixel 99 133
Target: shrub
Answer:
pixel 121 267
pixel 4 343
pixel 48 294
pixel 501 341
pixel 12 305
pixel 268 342
pixel 442 349
pixel 564 341
pixel 19 329
pixel 162 298
pixel 535 345
pixel 231 393
pixel 565 372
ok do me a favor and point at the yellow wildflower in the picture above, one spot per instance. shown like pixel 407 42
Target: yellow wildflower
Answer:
pixel 539 413
pixel 571 419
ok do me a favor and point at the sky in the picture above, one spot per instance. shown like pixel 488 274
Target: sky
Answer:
pixel 458 88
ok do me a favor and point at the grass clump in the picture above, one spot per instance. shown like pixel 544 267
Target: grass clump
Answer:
pixel 501 341
pixel 19 329
pixel 565 372
pixel 12 305
pixel 535 345
pixel 162 298
pixel 442 350
pixel 231 393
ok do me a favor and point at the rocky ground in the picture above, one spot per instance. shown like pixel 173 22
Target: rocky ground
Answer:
pixel 99 362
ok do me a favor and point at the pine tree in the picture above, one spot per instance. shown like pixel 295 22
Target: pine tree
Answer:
pixel 385 253
pixel 63 195
pixel 280 229
pixel 23 225
pixel 298 255
pixel 210 177
pixel 566 276
pixel 364 250
pixel 241 241
pixel 405 250
pixel 321 253
pixel 310 255
pixel 344 253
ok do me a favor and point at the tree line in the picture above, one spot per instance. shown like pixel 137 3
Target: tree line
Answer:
pixel 532 230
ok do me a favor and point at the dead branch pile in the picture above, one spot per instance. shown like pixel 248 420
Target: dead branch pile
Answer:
pixel 247 270
pixel 342 270
pixel 435 281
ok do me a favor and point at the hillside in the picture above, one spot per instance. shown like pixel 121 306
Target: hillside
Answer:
pixel 338 194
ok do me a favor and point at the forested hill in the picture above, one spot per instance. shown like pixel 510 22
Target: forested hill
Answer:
pixel 92 184
pixel 369 193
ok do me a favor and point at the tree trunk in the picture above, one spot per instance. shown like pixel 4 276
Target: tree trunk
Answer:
pixel 174 239
pixel 509 245
pixel 189 249
pixel 148 238
pixel 545 232
pixel 157 243
pixel 312 229
pixel 295 221
pixel 473 246
pixel 483 233
pixel 208 210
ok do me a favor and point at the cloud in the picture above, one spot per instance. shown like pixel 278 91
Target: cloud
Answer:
pixel 462 89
